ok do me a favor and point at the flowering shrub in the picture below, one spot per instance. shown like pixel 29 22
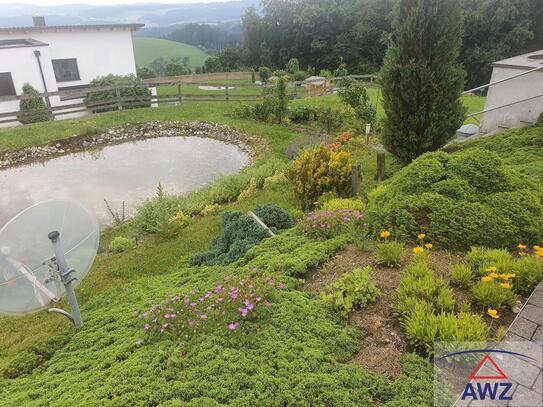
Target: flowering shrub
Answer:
pixel 494 290
pixel 529 273
pixel 326 224
pixel 353 290
pixel 318 171
pixel 228 306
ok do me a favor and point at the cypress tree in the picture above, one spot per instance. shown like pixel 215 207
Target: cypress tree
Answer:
pixel 421 80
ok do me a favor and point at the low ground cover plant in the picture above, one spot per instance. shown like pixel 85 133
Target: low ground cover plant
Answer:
pixel 240 233
pixel 343 203
pixel 459 200
pixel 352 290
pixel 319 171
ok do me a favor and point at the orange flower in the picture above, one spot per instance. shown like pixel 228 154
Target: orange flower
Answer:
pixel 429 246
pixel 418 250
pixel 385 234
pixel 493 313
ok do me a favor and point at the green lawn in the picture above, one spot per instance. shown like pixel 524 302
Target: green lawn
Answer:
pixel 146 50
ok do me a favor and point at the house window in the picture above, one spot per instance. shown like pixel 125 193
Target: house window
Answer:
pixel 66 70
pixel 6 85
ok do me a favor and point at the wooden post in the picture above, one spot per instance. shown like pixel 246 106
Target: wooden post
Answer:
pixel 355 179
pixel 380 164
pixel 179 96
pixel 118 94
pixel 226 90
pixel 368 131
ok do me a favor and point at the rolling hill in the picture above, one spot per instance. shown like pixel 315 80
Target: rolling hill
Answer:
pixel 146 50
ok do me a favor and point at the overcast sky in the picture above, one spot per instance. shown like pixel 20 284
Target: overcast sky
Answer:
pixel 107 2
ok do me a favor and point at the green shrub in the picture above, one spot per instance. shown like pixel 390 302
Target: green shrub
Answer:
pixel 492 295
pixel 299 76
pixel 354 94
pixel 462 275
pixel 352 290
pixel 318 171
pixel 129 87
pixel 298 114
pixel 121 244
pixel 460 200
pixel 390 254
pixel 293 65
pixel 32 108
pixel 240 233
pixel 479 259
pixel 265 73
pixel 329 119
pixel 343 203
pixel 327 224
pixel 529 273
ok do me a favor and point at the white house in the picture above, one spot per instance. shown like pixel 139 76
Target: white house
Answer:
pixel 56 58
pixel 518 101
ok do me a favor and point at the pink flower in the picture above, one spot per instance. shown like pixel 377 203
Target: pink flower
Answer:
pixel 203 316
pixel 186 300
pixel 258 299
pixel 281 286
pixel 193 304
pixel 146 327
pixel 220 299
pixel 139 342
pixel 244 312
pixel 233 326
pixel 268 304
pixel 191 323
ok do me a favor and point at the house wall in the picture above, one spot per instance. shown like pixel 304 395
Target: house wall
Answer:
pixel 98 53
pixel 517 89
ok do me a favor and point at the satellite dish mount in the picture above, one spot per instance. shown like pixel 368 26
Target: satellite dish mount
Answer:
pixel 66 277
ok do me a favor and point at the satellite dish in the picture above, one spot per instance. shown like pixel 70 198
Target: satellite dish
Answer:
pixel 45 251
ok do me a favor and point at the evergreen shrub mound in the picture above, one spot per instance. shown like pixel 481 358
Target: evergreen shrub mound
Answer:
pixel 32 108
pixel 240 233
pixel 459 200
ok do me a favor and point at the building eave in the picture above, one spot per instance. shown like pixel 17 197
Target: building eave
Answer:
pixel 81 27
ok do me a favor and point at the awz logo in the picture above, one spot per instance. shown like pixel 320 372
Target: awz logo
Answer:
pixel 500 390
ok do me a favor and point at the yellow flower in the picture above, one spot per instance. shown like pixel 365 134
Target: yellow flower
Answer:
pixel 486 279
pixel 493 313
pixel 492 269
pixel 421 236
pixel 418 250
pixel 521 246
pixel 505 285
pixel 504 276
pixel 522 254
pixel 385 234
pixel 511 275
pixel 537 248
pixel 429 246
pixel 539 253
pixel 494 275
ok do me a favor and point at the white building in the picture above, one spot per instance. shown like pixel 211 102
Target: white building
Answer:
pixel 56 58
pixel 521 97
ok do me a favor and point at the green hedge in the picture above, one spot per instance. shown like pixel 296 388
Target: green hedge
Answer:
pixel 460 200
pixel 129 87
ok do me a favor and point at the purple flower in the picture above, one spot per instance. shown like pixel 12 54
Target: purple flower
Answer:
pixel 193 304
pixel 244 312
pixel 281 286
pixel 233 326
pixel 146 327
pixel 165 325
pixel 258 299
pixel 203 316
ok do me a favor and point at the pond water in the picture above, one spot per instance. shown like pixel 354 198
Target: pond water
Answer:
pixel 128 172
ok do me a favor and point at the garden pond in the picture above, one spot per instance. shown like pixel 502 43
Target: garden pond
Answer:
pixel 128 172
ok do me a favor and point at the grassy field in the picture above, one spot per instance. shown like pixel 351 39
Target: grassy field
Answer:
pixel 146 50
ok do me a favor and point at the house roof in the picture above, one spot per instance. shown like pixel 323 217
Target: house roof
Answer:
pixel 527 61
pixel 80 27
pixel 21 42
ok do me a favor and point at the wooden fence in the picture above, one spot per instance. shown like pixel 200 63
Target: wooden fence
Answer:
pixel 77 103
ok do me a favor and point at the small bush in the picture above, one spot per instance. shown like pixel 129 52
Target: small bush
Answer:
pixel 390 254
pixel 240 233
pixel 343 203
pixel 479 259
pixel 121 244
pixel 319 171
pixel 299 76
pixel 299 114
pixel 462 275
pixel 327 224
pixel 529 273
pixel 129 87
pixel 354 94
pixel 32 108
pixel 493 295
pixel 265 73
pixel 329 119
pixel 353 290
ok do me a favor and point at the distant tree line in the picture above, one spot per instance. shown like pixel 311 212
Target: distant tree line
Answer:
pixel 210 37
pixel 323 34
